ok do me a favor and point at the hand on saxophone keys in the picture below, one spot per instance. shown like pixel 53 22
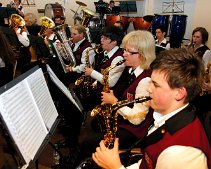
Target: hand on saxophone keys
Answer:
pixel 108 98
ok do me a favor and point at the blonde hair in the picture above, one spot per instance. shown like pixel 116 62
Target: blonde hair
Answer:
pixel 144 42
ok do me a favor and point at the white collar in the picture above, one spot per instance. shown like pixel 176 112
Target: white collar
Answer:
pixel 161 119
pixel 112 51
pixel 137 71
pixel 163 41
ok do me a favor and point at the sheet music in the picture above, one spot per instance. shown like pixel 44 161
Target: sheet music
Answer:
pixel 62 87
pixel 23 120
pixel 42 96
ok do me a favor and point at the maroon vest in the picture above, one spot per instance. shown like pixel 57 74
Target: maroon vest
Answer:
pixel 121 84
pixel 182 129
pixel 78 53
pixel 103 66
pixel 138 130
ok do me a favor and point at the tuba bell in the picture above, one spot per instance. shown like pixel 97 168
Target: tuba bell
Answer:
pixel 46 23
pixel 16 21
pixel 87 15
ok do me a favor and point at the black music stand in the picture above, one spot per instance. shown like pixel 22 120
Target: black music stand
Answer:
pixel 14 130
pixel 101 8
pixel 128 7
pixel 116 10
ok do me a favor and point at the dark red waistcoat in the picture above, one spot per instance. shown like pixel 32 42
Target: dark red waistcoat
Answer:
pixel 182 129
pixel 138 130
pixel 103 66
pixel 78 53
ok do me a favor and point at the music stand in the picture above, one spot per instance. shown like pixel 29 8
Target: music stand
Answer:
pixel 101 8
pixel 128 7
pixel 116 10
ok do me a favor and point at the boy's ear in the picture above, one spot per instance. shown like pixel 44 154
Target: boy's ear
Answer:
pixel 181 93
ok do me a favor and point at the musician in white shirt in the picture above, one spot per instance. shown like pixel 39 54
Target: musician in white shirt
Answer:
pixel 178 139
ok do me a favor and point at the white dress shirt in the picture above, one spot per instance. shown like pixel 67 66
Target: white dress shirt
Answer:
pixel 175 157
pixel 206 57
pixel 23 38
pixel 2 64
pixel 163 41
pixel 115 73
pixel 137 113
pixel 81 68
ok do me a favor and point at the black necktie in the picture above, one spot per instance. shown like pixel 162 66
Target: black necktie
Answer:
pixel 132 77
pixel 72 46
pixel 105 58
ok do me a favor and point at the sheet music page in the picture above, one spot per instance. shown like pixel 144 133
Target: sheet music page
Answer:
pixel 42 96
pixel 23 120
pixel 62 87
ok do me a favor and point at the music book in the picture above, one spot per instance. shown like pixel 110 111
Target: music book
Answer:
pixel 68 92
pixel 28 113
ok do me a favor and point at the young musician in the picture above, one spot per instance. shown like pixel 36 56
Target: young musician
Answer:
pixel 160 37
pixel 198 43
pixel 176 139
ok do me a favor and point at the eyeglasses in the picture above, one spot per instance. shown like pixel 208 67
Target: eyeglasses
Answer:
pixel 130 53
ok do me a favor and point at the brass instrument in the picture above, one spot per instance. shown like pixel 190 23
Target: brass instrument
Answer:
pixel 46 23
pixel 103 111
pixel 16 21
pixel 110 135
pixel 99 49
pixel 63 48
pixel 87 15
pixel 111 120
pixel 206 78
pixel 85 82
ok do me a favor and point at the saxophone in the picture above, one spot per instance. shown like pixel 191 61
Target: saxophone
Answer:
pixel 206 78
pixel 103 111
pixel 110 135
pixel 85 82
pixel 63 49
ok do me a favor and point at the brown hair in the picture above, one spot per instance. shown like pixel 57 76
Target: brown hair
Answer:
pixel 182 68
